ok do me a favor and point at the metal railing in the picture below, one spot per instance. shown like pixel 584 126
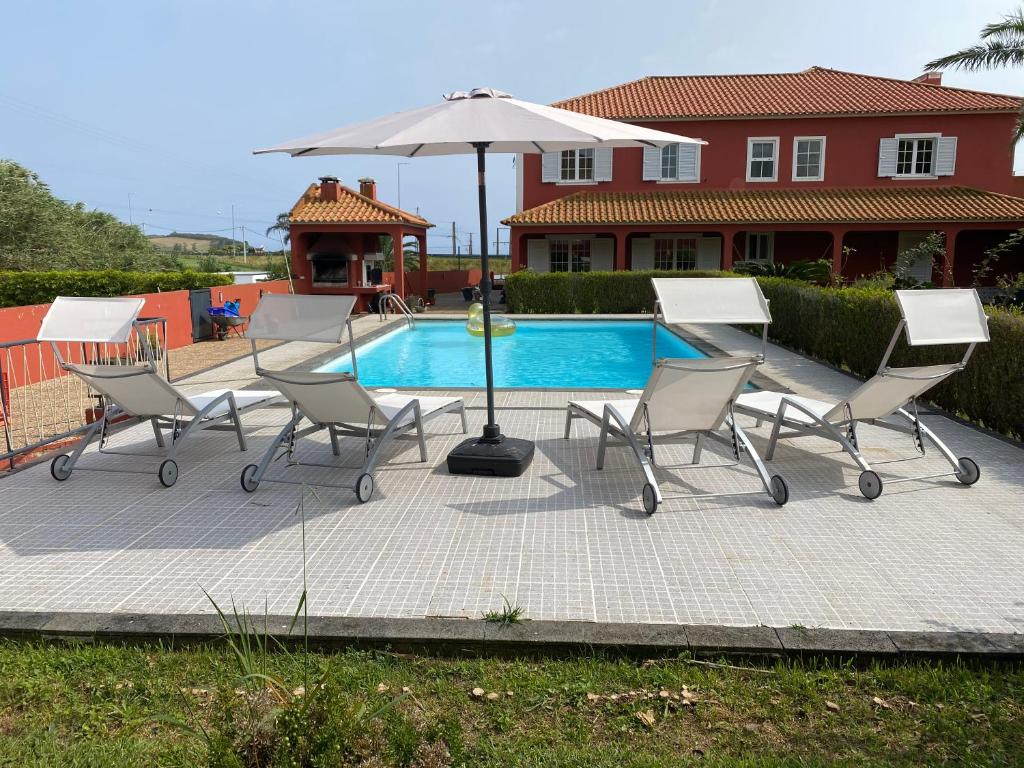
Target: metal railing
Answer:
pixel 41 404
pixel 399 305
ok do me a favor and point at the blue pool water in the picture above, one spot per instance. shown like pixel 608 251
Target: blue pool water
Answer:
pixel 565 354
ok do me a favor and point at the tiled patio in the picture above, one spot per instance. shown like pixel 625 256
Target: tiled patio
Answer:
pixel 564 541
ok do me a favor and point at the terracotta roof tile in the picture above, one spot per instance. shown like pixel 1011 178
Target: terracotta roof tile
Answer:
pixel 816 91
pixel 782 206
pixel 350 208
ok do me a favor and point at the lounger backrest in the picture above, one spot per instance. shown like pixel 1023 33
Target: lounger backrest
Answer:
pixel 943 316
pixel 288 317
pixel 325 398
pixel 711 300
pixel 692 394
pixel 87 319
pixel 134 388
pixel 884 393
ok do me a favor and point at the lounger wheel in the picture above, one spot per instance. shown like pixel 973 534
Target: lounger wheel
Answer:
pixel 779 490
pixel 967 471
pixel 364 487
pixel 650 499
pixel 59 467
pixel 249 481
pixel 168 473
pixel 870 484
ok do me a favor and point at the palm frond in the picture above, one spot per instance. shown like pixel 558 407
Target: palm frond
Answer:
pixel 983 56
pixel 1011 26
pixel 1018 128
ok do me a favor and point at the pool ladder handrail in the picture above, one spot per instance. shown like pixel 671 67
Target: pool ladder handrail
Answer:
pixel 400 306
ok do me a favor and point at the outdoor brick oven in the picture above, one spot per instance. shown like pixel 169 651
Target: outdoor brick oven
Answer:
pixel 336 236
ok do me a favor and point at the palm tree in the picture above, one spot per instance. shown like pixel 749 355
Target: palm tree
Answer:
pixel 283 226
pixel 1002 45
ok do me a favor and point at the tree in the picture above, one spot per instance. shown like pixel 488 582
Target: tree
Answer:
pixel 1002 45
pixel 281 225
pixel 410 253
pixel 38 231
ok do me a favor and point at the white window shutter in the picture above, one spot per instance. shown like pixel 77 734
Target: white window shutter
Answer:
pixel 945 159
pixel 538 255
pixel 709 253
pixel 602 254
pixel 887 149
pixel 689 162
pixel 643 253
pixel 603 164
pixel 652 164
pixel 549 166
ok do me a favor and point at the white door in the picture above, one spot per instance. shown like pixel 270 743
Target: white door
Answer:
pixel 602 254
pixel 709 253
pixel 643 253
pixel 921 269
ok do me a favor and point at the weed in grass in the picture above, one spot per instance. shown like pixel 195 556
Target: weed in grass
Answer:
pixel 509 614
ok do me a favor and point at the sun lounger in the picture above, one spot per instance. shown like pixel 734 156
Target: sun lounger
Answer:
pixel 335 402
pixel 136 390
pixel 688 398
pixel 929 317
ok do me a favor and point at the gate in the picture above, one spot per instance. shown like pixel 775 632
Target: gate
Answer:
pixel 202 327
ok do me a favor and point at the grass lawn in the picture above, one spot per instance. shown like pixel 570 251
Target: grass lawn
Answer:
pixel 101 705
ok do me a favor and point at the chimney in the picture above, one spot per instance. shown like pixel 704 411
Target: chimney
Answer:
pixel 931 78
pixel 330 189
pixel 368 188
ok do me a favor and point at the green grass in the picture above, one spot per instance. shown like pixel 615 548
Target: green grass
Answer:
pixel 509 614
pixel 96 705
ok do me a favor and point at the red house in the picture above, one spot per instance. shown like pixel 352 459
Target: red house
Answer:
pixel 804 165
pixel 336 238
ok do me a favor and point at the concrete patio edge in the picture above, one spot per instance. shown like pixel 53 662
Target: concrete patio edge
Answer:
pixel 455 634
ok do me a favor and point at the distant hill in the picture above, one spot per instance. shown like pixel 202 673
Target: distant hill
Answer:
pixel 190 242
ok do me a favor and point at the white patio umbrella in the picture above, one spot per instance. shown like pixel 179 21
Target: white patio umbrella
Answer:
pixel 480 121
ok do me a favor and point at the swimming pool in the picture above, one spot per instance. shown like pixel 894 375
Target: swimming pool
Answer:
pixel 563 354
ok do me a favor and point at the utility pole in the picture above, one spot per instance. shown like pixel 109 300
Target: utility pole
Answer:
pixel 455 254
pixel 232 231
pixel 471 245
pixel 130 209
pixel 245 252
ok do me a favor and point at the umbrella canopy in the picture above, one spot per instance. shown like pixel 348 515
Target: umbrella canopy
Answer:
pixel 465 119
pixel 480 121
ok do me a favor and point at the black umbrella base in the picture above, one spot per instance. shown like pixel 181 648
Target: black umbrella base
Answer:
pixel 498 457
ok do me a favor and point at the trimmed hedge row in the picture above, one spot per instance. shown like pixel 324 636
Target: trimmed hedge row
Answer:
pixel 558 293
pixel 851 327
pixel 23 288
pixel 847 327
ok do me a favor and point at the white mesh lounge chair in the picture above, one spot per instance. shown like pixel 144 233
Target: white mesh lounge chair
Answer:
pixel 336 402
pixel 930 317
pixel 136 390
pixel 688 398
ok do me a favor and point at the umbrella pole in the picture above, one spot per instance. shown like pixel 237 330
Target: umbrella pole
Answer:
pixel 491 430
pixel 493 453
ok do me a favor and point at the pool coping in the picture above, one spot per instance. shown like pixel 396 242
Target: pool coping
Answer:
pixel 759 379
pixel 461 635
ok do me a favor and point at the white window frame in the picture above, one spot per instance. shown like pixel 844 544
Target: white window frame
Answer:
pixel 770 240
pixel 576 167
pixel 574 261
pixel 935 154
pixel 775 158
pixel 677 180
pixel 821 162
pixel 676 248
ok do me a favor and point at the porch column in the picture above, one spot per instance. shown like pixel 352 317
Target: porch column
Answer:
pixel 421 239
pixel 515 250
pixel 620 252
pixel 947 262
pixel 837 251
pixel 399 262
pixel 728 243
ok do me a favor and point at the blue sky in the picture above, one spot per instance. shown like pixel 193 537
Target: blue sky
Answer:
pixel 164 101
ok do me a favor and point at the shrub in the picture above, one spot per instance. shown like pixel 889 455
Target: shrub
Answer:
pixel 851 327
pixel 587 292
pixel 22 288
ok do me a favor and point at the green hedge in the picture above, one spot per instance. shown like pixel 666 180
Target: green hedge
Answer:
pixel 557 293
pixel 851 327
pixel 23 288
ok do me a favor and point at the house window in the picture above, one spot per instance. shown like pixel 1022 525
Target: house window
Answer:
pixel 915 156
pixel 675 253
pixel 762 159
pixel 570 255
pixel 670 161
pixel 577 165
pixel 808 158
pixel 759 246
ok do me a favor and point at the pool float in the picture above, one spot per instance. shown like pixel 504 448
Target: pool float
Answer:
pixel 500 326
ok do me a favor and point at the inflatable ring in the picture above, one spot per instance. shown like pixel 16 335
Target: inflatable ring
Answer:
pixel 500 326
